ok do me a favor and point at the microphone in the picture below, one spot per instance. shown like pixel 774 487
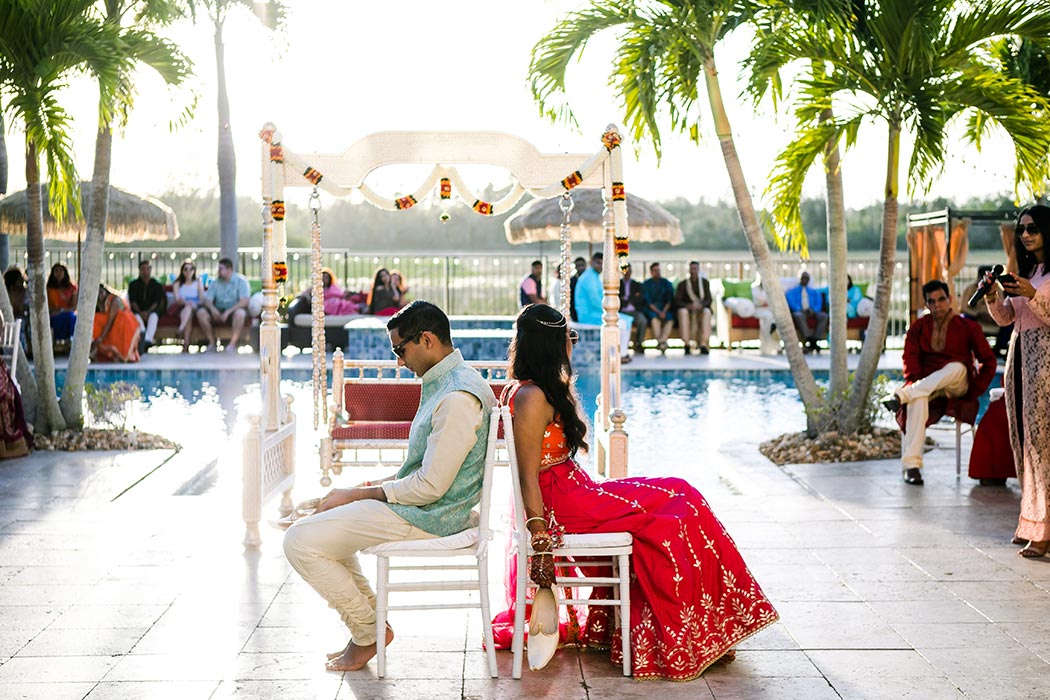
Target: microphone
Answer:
pixel 985 285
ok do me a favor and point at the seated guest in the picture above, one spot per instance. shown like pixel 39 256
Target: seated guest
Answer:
pixel 659 296
pixel 383 299
pixel 589 293
pixel 853 298
pixel 945 354
pixel 115 336
pixel 336 301
pixel 225 302
pixel 148 301
pixel 399 283
pixel 530 291
pixel 18 292
pixel 692 300
pixel 807 305
pixel 692 595
pixel 632 301
pixel 61 302
pixel 430 496
pixel 188 291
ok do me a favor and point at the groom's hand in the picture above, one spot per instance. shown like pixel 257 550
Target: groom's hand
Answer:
pixel 336 498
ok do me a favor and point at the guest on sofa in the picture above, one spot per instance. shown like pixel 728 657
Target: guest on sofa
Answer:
pixel 115 336
pixel 225 302
pixel 18 292
pixel 188 291
pixel 147 300
pixel 384 299
pixel 336 301
pixel 807 305
pixel 61 302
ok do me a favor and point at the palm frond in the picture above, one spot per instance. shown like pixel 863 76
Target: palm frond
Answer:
pixel 555 51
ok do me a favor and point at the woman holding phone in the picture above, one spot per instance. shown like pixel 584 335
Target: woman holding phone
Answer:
pixel 1024 300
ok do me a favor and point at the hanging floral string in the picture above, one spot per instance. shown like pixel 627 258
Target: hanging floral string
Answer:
pixel 320 369
pixel 564 291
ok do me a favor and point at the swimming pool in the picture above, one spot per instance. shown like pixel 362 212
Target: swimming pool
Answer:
pixel 678 422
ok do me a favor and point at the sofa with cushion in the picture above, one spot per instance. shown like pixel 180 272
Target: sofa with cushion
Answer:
pixel 300 324
pixel 738 324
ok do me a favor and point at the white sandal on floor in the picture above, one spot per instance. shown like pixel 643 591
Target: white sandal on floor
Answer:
pixel 543 629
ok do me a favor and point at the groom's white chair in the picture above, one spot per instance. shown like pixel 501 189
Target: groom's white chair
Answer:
pixel 469 543
pixel 612 549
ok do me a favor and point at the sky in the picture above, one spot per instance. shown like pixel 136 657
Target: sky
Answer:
pixel 343 70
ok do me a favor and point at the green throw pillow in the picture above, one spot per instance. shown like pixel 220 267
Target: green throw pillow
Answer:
pixel 254 285
pixel 863 287
pixel 736 288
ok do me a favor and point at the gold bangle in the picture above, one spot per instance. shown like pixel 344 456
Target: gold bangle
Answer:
pixel 535 517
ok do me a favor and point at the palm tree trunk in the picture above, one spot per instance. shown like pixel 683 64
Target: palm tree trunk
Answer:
pixel 72 402
pixel 837 250
pixel 876 336
pixel 49 417
pixel 756 241
pixel 227 159
pixel 5 249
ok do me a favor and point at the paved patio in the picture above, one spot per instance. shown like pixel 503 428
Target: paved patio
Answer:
pixel 122 576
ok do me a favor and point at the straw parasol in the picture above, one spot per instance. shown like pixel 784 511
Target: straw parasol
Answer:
pixel 540 220
pixel 131 217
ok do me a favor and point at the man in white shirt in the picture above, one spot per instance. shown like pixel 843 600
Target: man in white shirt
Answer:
pixel 430 496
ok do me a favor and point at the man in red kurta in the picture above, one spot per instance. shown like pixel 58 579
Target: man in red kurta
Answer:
pixel 945 354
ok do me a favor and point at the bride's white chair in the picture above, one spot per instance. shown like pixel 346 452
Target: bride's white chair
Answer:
pixel 612 549
pixel 469 543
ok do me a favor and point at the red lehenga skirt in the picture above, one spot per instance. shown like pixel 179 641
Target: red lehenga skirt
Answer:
pixel 692 596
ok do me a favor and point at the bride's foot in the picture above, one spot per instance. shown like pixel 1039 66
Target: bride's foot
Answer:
pixel 355 657
pixel 1035 550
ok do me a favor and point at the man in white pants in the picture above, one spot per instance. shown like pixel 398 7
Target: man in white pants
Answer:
pixel 430 496
pixel 945 355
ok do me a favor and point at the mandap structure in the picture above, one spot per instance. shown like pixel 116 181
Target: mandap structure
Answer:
pixel 267 461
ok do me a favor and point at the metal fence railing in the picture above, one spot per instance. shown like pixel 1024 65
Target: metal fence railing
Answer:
pixel 485 283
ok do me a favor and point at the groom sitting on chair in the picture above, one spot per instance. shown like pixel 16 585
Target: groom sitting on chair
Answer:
pixel 431 495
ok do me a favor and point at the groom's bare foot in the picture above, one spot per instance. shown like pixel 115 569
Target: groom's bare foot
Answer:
pixel 355 657
pixel 337 654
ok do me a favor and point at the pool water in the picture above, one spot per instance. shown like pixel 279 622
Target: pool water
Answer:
pixel 678 422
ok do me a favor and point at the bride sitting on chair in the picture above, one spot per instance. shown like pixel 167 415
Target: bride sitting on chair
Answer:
pixel 692 597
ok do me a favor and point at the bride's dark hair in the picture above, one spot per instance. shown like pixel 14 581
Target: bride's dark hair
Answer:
pixel 538 354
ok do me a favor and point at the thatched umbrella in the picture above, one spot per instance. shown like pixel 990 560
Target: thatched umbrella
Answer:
pixel 131 218
pixel 540 220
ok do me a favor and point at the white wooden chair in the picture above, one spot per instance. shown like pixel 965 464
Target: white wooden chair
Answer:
pixel 611 549
pixel 469 543
pixel 10 338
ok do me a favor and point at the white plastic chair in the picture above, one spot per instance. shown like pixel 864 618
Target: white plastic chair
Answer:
pixel 611 549
pixel 469 543
pixel 10 339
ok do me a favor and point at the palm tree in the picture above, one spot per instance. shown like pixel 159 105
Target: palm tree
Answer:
pixel 917 67
pixel 138 46
pixel 42 44
pixel 666 49
pixel 836 17
pixel 271 14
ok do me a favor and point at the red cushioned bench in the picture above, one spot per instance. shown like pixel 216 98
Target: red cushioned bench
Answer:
pixel 374 411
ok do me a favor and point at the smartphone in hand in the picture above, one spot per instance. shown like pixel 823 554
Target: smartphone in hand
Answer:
pixel 1007 278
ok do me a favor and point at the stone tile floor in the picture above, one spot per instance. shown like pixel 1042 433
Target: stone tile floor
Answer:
pixel 885 591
